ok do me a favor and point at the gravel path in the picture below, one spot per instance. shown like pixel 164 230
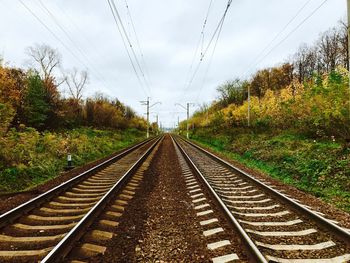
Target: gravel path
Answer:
pixel 159 225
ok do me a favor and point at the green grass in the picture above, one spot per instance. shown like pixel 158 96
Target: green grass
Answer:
pixel 321 167
pixel 29 158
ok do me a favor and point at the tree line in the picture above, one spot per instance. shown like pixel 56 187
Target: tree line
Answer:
pixel 32 98
pixel 328 53
pixel 308 92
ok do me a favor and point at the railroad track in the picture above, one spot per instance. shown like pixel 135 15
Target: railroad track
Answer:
pixel 46 227
pixel 274 226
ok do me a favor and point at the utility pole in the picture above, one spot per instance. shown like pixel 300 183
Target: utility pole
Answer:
pixel 188 116
pixel 187 108
pixel 178 125
pixel 157 123
pixel 249 103
pixel 146 103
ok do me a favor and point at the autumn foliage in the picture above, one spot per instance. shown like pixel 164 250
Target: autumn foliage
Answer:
pixel 26 99
pixel 309 94
pixel 39 126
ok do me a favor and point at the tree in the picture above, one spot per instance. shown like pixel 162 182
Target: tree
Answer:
pixel 343 42
pixel 76 83
pixel 12 91
pixel 329 50
pixel 231 92
pixel 281 76
pixel 47 59
pixel 36 106
pixel 257 85
pixel 129 113
pixel 305 62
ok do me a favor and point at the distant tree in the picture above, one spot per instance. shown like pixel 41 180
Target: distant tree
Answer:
pixel 76 82
pixel 46 60
pixel 329 50
pixel 305 62
pixel 72 113
pixel 281 76
pixel 12 91
pixel 258 85
pixel 36 107
pixel 89 112
pixel 231 92
pixel 129 113
pixel 6 116
pixel 343 42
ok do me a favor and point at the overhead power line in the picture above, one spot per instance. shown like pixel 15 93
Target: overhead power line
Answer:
pixel 209 64
pixel 124 36
pixel 52 33
pixel 199 43
pixel 216 34
pixel 94 71
pixel 55 36
pixel 277 35
pixel 138 42
pixel 291 32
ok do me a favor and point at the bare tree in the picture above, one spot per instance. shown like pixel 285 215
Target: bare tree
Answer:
pixel 344 54
pixel 46 58
pixel 329 50
pixel 76 82
pixel 305 62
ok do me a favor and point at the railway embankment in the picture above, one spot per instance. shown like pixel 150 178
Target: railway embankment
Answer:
pixel 318 166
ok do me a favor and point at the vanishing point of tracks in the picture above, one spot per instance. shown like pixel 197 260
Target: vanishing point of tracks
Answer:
pixel 240 217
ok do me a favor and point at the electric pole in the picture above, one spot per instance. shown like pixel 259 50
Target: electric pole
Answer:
pixel 187 108
pixel 146 103
pixel 249 103
pixel 178 125
pixel 188 116
pixel 157 124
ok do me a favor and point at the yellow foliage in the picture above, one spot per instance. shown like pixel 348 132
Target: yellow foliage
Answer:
pixel 320 104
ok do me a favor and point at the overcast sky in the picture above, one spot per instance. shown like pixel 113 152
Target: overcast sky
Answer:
pixel 168 33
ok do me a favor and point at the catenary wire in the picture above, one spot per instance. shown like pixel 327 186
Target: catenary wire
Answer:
pixel 97 74
pixel 276 36
pixel 130 44
pixel 291 32
pixel 126 48
pixel 215 33
pixel 201 38
pixel 138 42
pixel 53 34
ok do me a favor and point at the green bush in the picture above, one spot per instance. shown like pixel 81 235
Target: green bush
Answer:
pixel 319 167
pixel 29 158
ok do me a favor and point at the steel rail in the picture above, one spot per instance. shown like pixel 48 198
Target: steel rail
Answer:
pixel 61 250
pixel 15 213
pixel 258 256
pixel 335 229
